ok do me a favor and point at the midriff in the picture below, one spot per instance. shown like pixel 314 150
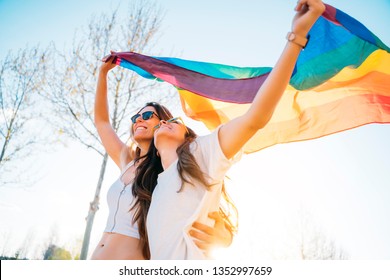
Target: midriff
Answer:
pixel 115 246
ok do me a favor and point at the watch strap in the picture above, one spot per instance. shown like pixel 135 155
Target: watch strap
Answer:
pixel 297 39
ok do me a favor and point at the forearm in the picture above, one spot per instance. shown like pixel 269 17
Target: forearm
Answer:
pixel 273 88
pixel 101 114
pixel 263 106
pixel 110 140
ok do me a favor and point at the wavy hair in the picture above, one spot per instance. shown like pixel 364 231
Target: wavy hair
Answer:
pixel 188 167
pixel 145 180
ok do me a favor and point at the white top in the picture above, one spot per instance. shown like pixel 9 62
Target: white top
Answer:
pixel 172 213
pixel 120 199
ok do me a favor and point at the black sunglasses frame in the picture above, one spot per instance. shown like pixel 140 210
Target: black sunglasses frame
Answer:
pixel 147 115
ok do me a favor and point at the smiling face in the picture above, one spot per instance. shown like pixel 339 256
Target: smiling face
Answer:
pixel 142 129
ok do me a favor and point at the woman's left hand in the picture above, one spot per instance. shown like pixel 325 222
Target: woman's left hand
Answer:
pixel 307 12
pixel 207 238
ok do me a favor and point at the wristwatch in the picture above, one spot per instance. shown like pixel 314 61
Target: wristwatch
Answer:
pixel 296 39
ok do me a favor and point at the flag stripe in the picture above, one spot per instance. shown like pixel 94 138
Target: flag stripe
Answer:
pixel 230 90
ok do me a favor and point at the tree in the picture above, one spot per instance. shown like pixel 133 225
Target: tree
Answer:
pixel 71 90
pixel 21 78
pixel 26 246
pixel 53 252
pixel 313 244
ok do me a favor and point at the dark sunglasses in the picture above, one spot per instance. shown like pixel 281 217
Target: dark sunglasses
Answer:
pixel 145 116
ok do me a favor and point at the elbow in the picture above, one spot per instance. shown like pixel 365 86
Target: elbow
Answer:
pixel 258 118
pixel 260 122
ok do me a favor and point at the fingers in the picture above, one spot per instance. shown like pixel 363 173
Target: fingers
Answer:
pixel 202 227
pixel 203 241
pixel 206 237
pixel 203 246
pixel 299 6
pixel 109 57
pixel 219 220
pixel 304 5
pixel 109 62
pixel 307 12
pixel 201 236
pixel 303 8
pixel 106 58
pixel 216 216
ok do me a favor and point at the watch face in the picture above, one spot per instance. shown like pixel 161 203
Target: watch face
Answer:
pixel 291 36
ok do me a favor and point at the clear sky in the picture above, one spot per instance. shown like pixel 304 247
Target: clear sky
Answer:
pixel 338 184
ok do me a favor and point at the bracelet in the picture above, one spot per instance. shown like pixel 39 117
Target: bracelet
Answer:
pixel 298 40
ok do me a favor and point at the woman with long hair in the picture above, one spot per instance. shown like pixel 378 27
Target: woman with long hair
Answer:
pixel 125 234
pixel 190 185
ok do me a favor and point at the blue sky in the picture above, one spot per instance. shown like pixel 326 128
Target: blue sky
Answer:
pixel 341 181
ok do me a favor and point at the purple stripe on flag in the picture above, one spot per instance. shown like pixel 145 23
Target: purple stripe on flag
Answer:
pixel 240 91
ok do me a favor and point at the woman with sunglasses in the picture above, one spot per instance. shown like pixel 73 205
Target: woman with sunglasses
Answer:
pixel 194 167
pixel 125 234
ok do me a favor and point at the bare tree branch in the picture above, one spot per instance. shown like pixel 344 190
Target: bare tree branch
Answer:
pixel 21 77
pixel 314 244
pixel 71 90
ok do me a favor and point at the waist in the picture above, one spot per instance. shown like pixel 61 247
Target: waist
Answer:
pixel 120 222
pixel 115 246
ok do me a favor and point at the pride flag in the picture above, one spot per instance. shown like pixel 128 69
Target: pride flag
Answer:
pixel 341 80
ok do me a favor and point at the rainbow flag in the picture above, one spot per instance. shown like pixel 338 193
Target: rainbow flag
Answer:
pixel 341 80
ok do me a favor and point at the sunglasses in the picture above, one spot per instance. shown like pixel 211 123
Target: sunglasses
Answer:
pixel 177 120
pixel 145 116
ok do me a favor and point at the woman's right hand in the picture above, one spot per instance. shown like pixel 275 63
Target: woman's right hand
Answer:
pixel 107 64
pixel 208 238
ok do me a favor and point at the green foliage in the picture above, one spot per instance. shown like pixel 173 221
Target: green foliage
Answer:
pixel 54 252
pixel 16 257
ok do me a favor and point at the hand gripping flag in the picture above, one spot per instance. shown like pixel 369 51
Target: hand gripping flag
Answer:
pixel 341 80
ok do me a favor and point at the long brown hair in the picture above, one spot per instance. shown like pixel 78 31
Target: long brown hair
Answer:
pixel 188 167
pixel 145 180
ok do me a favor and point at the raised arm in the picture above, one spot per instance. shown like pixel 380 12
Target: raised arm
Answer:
pixel 234 134
pixel 111 142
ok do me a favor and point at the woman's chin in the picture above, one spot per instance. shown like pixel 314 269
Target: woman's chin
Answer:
pixel 142 136
pixel 167 139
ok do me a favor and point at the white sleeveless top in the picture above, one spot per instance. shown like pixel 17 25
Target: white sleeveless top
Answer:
pixel 120 200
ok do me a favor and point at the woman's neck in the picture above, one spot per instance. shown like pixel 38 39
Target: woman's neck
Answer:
pixel 144 148
pixel 168 155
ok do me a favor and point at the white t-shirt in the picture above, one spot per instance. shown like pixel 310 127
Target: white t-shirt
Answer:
pixel 172 213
